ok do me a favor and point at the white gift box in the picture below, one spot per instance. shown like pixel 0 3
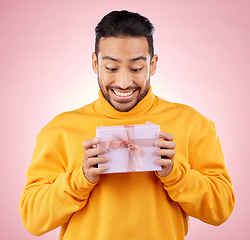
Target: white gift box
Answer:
pixel 131 147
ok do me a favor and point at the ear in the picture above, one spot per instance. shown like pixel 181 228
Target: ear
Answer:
pixel 153 64
pixel 94 63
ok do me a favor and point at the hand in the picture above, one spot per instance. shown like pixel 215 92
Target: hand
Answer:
pixel 90 159
pixel 166 152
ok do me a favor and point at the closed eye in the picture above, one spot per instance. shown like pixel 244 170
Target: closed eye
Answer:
pixel 111 69
pixel 136 69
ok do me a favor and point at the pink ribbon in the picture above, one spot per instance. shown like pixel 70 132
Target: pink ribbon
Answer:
pixel 134 146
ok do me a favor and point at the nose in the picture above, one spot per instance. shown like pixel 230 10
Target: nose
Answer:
pixel 123 79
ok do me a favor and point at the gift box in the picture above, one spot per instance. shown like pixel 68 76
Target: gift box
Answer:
pixel 131 147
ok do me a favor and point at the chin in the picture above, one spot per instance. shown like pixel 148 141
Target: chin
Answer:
pixel 124 107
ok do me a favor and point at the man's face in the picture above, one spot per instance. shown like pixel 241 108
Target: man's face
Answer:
pixel 124 68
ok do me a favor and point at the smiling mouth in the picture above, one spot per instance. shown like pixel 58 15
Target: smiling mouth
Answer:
pixel 123 94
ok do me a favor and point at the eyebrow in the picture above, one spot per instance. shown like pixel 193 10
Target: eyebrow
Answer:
pixel 131 60
pixel 138 58
pixel 110 58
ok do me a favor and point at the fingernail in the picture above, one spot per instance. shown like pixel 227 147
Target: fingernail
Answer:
pixel 156 152
pixel 157 161
pixel 105 150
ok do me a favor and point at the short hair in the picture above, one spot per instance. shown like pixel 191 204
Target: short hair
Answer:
pixel 125 24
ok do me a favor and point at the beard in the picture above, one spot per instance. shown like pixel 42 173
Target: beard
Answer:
pixel 123 106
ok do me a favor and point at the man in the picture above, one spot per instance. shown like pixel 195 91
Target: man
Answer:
pixel 65 187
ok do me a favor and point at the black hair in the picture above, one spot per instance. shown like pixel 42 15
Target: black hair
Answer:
pixel 125 24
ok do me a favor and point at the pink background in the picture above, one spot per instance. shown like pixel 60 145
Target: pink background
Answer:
pixel 45 60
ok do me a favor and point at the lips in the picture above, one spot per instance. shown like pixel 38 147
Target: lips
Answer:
pixel 123 95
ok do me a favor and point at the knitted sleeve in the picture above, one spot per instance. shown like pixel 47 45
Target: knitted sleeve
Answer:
pixel 199 181
pixel 52 193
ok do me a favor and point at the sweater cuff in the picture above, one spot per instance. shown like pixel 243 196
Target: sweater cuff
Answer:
pixel 82 185
pixel 175 175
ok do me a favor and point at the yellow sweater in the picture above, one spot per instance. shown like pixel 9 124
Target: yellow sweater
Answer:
pixel 126 205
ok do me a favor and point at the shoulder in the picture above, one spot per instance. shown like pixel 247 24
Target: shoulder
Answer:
pixel 187 114
pixel 69 120
pixel 177 107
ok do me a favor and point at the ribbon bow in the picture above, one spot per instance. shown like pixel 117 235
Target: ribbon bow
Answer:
pixel 135 152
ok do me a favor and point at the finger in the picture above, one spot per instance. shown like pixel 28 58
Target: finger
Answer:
pixel 167 166
pixel 166 136
pixel 93 161
pixel 89 143
pixel 165 144
pixel 97 171
pixel 94 152
pixel 165 153
pixel 165 163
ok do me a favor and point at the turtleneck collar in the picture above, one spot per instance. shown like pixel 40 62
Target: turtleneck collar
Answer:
pixel 102 106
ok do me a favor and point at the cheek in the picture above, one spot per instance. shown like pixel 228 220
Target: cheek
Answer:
pixel 143 80
pixel 145 85
pixel 147 73
pixel 104 79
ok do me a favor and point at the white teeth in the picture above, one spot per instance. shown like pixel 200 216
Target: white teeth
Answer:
pixel 123 94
